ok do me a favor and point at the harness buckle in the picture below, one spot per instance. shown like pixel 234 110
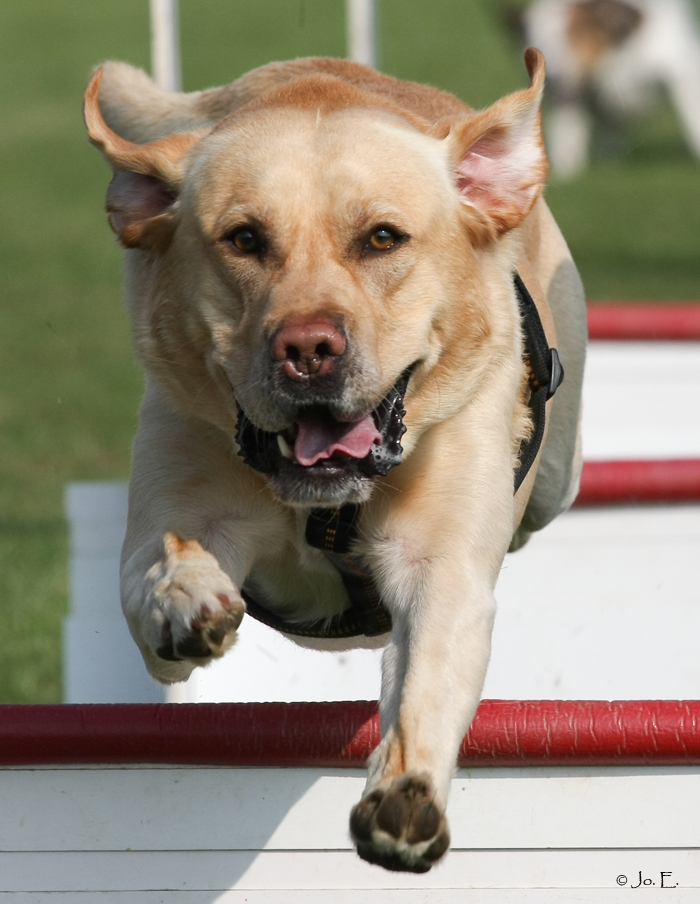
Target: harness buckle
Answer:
pixel 556 372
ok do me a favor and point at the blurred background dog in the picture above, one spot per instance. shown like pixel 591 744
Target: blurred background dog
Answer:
pixel 607 59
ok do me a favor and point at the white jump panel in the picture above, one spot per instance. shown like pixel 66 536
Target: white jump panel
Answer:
pixel 602 605
pixel 334 896
pixel 261 835
pixel 640 400
pixel 101 662
pixel 268 667
pixel 268 874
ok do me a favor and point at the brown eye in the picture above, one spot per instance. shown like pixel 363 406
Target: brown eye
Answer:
pixel 382 239
pixel 245 239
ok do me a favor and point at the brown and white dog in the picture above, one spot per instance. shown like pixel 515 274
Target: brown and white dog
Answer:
pixel 312 249
pixel 613 53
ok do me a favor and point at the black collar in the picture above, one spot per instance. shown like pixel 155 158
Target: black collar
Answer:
pixel 334 531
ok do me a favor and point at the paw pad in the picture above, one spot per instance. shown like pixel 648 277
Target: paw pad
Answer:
pixel 401 828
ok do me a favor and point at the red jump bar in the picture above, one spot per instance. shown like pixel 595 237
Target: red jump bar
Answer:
pixel 615 320
pixel 620 482
pixel 504 733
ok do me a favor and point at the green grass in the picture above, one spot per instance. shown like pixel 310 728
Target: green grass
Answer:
pixel 69 388
pixel 633 221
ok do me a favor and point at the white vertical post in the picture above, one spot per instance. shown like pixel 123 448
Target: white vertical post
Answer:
pixel 101 663
pixel 165 45
pixel 362 36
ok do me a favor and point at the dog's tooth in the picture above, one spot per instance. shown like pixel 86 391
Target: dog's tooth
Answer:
pixel 285 448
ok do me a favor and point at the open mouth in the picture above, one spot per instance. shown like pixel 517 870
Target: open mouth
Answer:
pixel 320 447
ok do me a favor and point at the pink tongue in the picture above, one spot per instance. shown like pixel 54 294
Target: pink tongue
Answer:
pixel 321 436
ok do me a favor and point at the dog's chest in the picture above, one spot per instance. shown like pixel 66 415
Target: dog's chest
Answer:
pixel 298 582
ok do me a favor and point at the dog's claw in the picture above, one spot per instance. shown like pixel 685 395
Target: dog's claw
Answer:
pixel 207 638
pixel 194 647
pixel 438 848
pixel 401 829
pixel 168 653
pixel 362 816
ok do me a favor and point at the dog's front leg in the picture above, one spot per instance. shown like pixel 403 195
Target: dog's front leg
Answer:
pixel 438 564
pixel 196 518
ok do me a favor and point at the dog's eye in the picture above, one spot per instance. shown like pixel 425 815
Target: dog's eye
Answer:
pixel 245 239
pixel 384 238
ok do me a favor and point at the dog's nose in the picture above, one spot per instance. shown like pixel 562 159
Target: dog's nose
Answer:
pixel 308 348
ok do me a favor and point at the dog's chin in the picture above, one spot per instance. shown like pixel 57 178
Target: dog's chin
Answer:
pixel 328 484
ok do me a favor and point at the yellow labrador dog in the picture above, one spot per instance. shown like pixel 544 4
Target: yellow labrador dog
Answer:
pixel 346 291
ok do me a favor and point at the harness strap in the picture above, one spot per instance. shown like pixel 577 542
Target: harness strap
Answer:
pixel 334 531
pixel 545 374
pixel 342 625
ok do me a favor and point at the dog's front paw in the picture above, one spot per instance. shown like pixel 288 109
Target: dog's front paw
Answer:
pixel 192 608
pixel 401 828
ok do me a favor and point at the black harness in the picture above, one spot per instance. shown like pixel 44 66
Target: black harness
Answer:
pixel 544 373
pixel 334 531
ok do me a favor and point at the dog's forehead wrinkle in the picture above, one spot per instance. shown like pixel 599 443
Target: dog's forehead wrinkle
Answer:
pixel 391 137
pixel 290 132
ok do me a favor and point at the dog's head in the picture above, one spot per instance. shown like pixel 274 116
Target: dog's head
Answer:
pixel 298 263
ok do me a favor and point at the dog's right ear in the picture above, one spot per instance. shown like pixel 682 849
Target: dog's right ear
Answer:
pixel 142 196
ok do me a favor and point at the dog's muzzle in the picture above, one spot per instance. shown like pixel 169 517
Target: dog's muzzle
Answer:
pixel 317 442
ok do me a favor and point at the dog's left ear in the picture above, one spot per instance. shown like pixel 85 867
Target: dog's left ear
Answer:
pixel 498 155
pixel 141 198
